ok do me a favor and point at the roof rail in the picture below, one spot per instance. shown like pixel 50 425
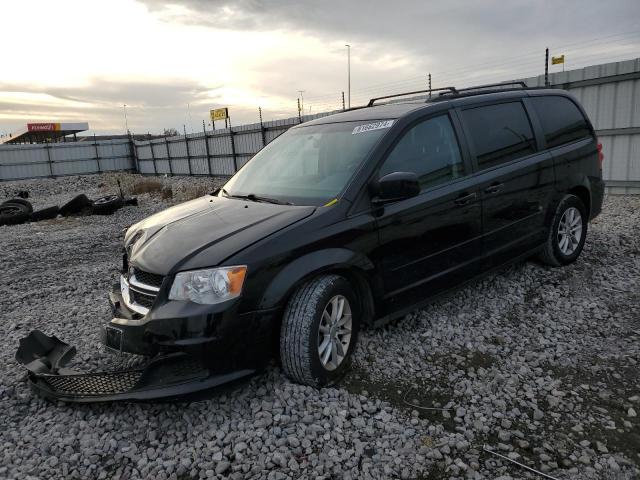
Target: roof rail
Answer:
pixel 519 83
pixel 449 90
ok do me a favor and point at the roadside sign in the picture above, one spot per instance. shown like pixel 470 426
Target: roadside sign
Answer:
pixel 557 60
pixel 219 114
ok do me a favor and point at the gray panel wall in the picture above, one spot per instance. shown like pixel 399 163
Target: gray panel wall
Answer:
pixel 71 158
pixel 188 155
pixel 609 92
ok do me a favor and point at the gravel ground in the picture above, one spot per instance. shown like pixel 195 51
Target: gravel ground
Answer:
pixel 537 364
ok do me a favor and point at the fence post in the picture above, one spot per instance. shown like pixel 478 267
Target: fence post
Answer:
pixel 95 145
pixel 186 142
pixel 153 157
pixel 166 144
pixel 133 151
pixel 546 67
pixel 206 146
pixel 233 150
pixel 48 148
pixel 262 131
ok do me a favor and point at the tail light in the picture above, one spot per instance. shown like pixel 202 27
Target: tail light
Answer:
pixel 600 156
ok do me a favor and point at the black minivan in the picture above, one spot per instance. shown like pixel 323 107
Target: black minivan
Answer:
pixel 354 219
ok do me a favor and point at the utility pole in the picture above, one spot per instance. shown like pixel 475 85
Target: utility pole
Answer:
pixel 348 75
pixel 126 122
pixel 343 101
pixel 301 99
pixel 429 85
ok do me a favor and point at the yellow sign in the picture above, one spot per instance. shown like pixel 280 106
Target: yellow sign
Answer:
pixel 219 114
pixel 557 60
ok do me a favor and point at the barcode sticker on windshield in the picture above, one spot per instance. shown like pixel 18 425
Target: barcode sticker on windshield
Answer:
pixel 372 126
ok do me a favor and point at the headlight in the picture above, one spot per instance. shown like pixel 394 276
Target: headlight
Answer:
pixel 214 285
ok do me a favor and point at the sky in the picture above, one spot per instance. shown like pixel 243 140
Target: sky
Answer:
pixel 170 62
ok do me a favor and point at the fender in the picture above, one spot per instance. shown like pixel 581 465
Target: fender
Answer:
pixel 291 275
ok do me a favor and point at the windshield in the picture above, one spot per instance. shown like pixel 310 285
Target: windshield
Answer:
pixel 307 165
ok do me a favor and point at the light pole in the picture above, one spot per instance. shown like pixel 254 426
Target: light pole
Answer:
pixel 348 75
pixel 126 122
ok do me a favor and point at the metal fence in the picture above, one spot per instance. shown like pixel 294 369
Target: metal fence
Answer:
pixel 70 158
pixel 217 152
pixel 609 92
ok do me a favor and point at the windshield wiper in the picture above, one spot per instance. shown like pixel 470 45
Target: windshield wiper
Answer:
pixel 255 198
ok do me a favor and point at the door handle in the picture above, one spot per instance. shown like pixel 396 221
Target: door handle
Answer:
pixel 494 188
pixel 465 198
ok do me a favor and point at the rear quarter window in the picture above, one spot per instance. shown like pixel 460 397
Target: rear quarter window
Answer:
pixel 561 120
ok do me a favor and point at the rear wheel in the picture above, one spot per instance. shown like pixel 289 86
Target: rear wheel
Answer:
pixel 319 331
pixel 567 233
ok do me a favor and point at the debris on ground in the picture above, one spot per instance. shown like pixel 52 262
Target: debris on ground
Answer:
pixel 541 363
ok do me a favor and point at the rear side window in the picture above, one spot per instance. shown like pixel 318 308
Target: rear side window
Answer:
pixel 562 121
pixel 430 150
pixel 500 133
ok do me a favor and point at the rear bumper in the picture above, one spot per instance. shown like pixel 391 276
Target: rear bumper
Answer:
pixel 597 196
pixel 226 339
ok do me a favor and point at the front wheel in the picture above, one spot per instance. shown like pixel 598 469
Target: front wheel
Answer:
pixel 319 331
pixel 567 233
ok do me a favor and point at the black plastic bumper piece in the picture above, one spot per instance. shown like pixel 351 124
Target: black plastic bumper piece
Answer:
pixel 164 377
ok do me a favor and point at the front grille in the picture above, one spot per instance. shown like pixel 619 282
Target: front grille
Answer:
pixel 151 279
pixel 144 299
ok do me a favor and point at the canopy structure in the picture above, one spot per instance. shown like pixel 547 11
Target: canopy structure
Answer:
pixel 44 132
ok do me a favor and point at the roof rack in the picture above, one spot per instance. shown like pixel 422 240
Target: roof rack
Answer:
pixel 449 90
pixel 519 83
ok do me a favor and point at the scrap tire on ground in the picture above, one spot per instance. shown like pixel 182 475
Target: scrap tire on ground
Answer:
pixel 45 214
pixel 308 322
pixel 21 201
pixel 75 205
pixel 107 205
pixel 13 213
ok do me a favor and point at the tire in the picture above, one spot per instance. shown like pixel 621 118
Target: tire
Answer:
pixel 107 205
pixel 75 205
pixel 560 249
pixel 300 332
pixel 13 213
pixel 21 201
pixel 45 214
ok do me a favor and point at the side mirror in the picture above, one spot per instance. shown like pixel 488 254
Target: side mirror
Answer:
pixel 395 186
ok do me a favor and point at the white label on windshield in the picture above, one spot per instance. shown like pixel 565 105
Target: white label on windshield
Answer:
pixel 372 126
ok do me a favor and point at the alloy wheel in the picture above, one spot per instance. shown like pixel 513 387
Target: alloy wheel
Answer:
pixel 334 333
pixel 570 231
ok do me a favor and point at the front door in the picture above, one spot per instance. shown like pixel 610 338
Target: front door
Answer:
pixel 429 242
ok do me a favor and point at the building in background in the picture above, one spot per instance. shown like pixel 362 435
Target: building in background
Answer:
pixel 45 132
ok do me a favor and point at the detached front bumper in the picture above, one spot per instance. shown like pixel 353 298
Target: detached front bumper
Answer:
pixel 226 339
pixel 164 377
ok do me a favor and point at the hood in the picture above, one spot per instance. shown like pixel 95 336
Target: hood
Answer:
pixel 166 241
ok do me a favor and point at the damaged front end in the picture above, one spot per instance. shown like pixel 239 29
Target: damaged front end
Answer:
pixel 163 377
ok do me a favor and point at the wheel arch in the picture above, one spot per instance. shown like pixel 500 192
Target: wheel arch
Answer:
pixel 584 195
pixel 355 267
